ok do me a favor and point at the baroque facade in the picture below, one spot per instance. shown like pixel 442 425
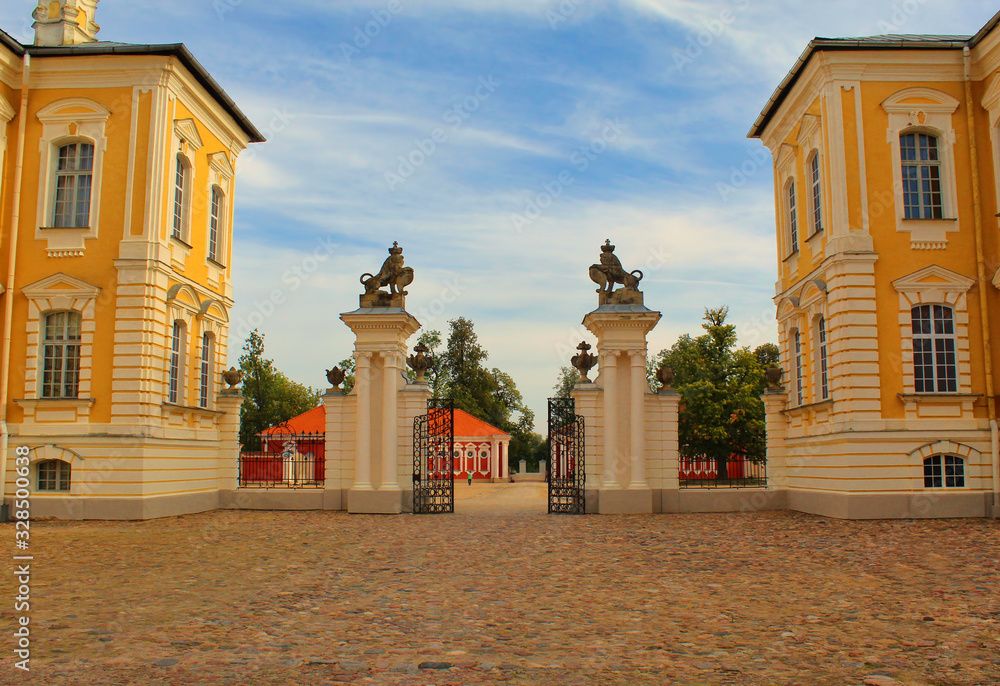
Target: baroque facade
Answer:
pixel 887 186
pixel 117 193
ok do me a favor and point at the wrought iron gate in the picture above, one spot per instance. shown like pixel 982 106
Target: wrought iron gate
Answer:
pixel 433 458
pixel 566 475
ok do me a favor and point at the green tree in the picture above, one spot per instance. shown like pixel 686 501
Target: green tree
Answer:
pixel 432 339
pixel 269 397
pixel 720 386
pixel 568 376
pixel 489 394
pixel 350 376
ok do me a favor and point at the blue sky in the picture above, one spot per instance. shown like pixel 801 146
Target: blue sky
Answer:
pixel 621 117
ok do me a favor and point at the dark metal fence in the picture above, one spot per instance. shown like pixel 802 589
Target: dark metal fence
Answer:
pixel 566 470
pixel 285 461
pixel 433 458
pixel 737 472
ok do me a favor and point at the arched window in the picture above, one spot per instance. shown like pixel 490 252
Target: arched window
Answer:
pixel 215 223
pixel 181 182
pixel 74 179
pixel 944 471
pixel 793 220
pixel 821 361
pixel 816 194
pixel 177 346
pixel 921 170
pixel 935 369
pixel 207 351
pixel 53 475
pixel 61 363
pixel 799 386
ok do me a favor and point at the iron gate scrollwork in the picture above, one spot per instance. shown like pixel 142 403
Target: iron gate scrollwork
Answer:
pixel 433 458
pixel 566 474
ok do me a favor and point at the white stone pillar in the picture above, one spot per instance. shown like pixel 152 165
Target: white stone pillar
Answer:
pixel 390 421
pixel 495 459
pixel 609 374
pixel 363 434
pixel 637 416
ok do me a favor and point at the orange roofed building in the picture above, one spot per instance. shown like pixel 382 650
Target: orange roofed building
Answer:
pixel 480 448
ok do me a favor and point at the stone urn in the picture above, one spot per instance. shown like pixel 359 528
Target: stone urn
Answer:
pixel 584 361
pixel 232 377
pixel 665 375
pixel 421 362
pixel 773 376
pixel 336 377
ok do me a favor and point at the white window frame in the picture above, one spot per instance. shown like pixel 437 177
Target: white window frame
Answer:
pixel 59 292
pixel 206 370
pixel 63 123
pixel 814 170
pixel 183 232
pixel 822 359
pixel 61 466
pixel 64 344
pixel 177 362
pixel 792 216
pixel 924 110
pixel 935 285
pixel 943 460
pixel 798 366
pixel 939 344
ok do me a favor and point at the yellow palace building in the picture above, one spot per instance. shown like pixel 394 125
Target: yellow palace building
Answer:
pixel 116 202
pixel 886 157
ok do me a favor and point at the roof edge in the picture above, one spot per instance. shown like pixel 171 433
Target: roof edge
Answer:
pixel 11 43
pixel 837 44
pixel 985 31
pixel 178 50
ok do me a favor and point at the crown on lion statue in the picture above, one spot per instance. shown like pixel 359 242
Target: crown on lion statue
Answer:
pixel 395 249
pixel 607 247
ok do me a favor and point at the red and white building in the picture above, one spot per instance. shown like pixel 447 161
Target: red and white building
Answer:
pixel 480 448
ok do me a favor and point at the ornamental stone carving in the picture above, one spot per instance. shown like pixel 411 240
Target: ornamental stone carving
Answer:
pixel 610 272
pixel 392 275
pixel 336 377
pixel 421 362
pixel 584 361
pixel 233 377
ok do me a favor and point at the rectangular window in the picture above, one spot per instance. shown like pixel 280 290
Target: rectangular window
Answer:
pixel 176 362
pixel 817 198
pixel 798 367
pixel 793 221
pixel 214 223
pixel 944 471
pixel 206 368
pixel 179 181
pixel 61 355
pixel 53 475
pixel 824 382
pixel 921 176
pixel 935 367
pixel 74 178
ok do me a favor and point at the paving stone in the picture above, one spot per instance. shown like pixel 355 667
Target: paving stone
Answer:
pixel 513 597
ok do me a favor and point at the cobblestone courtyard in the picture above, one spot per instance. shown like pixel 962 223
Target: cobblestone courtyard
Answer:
pixel 512 597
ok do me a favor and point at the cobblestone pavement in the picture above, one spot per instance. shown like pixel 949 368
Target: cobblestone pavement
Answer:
pixel 479 598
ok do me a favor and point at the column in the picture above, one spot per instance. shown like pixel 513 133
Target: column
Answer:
pixel 363 435
pixel 637 416
pixel 390 415
pixel 495 459
pixel 609 373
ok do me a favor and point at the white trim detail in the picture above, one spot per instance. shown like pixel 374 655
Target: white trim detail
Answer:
pixel 64 123
pixel 935 118
pixel 76 295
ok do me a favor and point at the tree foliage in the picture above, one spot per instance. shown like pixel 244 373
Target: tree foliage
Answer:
pixel 568 376
pixel 269 397
pixel 720 386
pixel 490 394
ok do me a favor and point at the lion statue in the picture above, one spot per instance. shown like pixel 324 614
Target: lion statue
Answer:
pixel 393 274
pixel 610 271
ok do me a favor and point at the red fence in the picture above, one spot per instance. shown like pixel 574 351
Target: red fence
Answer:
pixel 286 461
pixel 703 472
